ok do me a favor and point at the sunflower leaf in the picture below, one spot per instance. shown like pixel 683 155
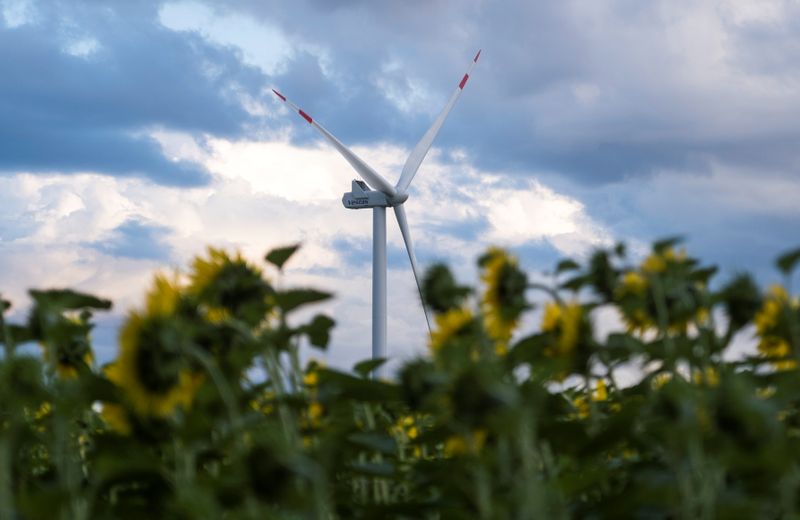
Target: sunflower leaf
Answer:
pixel 280 255
pixel 661 245
pixel 68 299
pixel 17 334
pixel 374 441
pixel 294 298
pixel 319 330
pixel 567 265
pixel 787 261
pixel 364 368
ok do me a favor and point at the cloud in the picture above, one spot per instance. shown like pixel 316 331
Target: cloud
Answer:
pixel 600 92
pixel 137 240
pixel 82 87
pixel 261 45
pixel 107 235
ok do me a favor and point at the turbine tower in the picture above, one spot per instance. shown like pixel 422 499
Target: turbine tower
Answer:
pixel 375 192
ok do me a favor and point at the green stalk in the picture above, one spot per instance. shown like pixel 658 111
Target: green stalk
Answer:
pixel 219 381
pixel 272 366
pixel 6 483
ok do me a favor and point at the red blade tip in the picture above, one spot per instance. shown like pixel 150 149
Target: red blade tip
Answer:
pixel 279 94
pixel 305 116
pixel 477 56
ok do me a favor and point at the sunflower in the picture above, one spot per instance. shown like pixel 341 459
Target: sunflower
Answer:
pixel 636 296
pixel 503 300
pixel 116 417
pixel 632 294
pixel 315 410
pixel 582 404
pixel 769 322
pixel 227 286
pixel 151 368
pixel 450 325
pixel 564 321
pixel 70 348
pixel 633 283
pixel 470 443
pixel 658 261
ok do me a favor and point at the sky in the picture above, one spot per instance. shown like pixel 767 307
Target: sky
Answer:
pixel 135 134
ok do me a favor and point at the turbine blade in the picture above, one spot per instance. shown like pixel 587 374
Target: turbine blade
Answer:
pixel 400 213
pixel 421 150
pixel 366 172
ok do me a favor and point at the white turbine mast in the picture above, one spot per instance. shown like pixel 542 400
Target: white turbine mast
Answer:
pixel 378 198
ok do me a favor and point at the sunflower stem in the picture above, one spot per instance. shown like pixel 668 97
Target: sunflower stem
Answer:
pixel 663 323
pixel 272 366
pixel 8 339
pixel 220 382
pixel 6 482
pixel 549 290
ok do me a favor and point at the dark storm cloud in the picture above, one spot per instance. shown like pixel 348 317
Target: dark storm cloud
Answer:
pixel 62 112
pixel 597 91
pixel 355 115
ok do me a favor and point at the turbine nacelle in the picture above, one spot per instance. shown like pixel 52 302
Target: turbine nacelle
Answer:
pixel 362 197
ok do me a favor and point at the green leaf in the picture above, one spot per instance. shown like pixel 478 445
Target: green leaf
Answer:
pixel 440 291
pixel 787 261
pixel 575 283
pixel 375 441
pixel 529 349
pixel 567 265
pixel 68 299
pixel 99 388
pixel 319 330
pixel 280 255
pixel 18 334
pixel 352 387
pixel 622 346
pixel 661 245
pixel 294 298
pixel 375 469
pixel 364 368
pixel 704 275
pixel 742 300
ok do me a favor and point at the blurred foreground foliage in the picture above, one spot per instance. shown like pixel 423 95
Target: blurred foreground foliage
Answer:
pixel 207 411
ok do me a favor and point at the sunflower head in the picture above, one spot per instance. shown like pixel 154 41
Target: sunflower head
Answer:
pixel 632 283
pixel 774 324
pixel 582 404
pixel 450 326
pixel 662 258
pixel 116 417
pixel 503 300
pixel 60 321
pixel 566 324
pixel 742 300
pixel 569 334
pixel 776 303
pixel 633 295
pixel 67 345
pixel 228 286
pixel 666 291
pixel 152 368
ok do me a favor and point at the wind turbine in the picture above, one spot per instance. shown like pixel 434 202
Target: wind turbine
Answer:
pixel 382 195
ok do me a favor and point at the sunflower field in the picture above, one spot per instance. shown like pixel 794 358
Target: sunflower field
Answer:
pixel 209 411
